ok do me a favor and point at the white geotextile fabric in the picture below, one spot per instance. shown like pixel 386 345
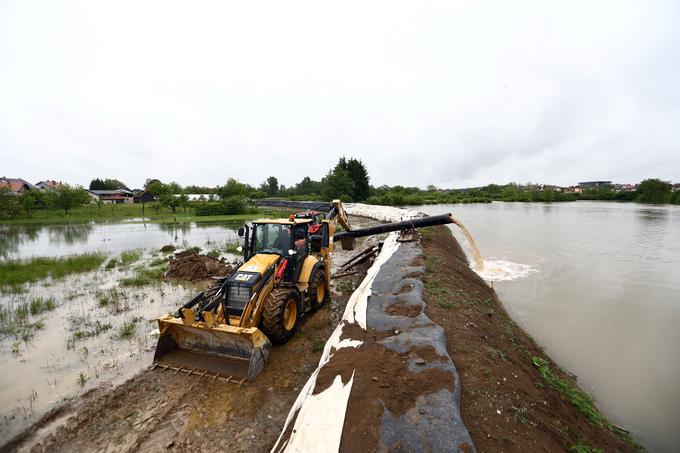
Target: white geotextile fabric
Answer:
pixel 321 418
pixel 382 213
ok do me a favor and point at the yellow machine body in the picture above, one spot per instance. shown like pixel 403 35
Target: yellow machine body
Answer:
pixel 202 338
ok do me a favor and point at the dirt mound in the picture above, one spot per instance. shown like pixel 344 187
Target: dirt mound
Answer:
pixel 191 266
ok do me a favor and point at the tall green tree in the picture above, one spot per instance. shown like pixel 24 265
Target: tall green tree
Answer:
pixel 67 197
pixel 29 201
pixel 233 188
pixel 357 172
pixel 654 191
pixel 107 184
pixel 9 204
pixel 307 187
pixel 270 186
pixel 337 184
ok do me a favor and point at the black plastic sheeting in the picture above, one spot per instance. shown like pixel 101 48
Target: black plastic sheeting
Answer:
pixel 322 206
pixel 434 423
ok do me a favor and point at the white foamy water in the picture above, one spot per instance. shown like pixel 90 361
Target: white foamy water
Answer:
pixel 502 270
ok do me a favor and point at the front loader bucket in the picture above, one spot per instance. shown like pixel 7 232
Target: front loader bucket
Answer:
pixel 219 350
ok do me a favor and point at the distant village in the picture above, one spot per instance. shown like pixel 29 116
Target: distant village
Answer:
pixel 17 186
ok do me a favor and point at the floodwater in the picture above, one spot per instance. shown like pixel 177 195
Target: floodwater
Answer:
pixel 23 241
pixel 598 285
pixel 71 352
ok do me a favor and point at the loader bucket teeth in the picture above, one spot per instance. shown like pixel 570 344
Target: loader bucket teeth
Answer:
pixel 225 350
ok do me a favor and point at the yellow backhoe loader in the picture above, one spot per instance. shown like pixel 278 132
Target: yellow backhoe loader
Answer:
pixel 228 329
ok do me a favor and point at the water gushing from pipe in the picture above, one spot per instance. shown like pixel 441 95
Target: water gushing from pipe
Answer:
pixel 478 261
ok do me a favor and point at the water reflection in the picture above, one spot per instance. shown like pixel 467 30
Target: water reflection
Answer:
pixel 23 241
pixel 69 234
pixel 12 236
pixel 652 215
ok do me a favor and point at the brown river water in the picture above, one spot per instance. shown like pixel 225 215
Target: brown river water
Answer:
pixel 598 285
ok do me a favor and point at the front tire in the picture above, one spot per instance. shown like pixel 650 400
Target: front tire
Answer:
pixel 281 315
pixel 318 292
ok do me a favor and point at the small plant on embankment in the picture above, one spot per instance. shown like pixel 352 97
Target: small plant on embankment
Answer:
pixel 440 295
pixel 583 403
pixel 18 272
pixel 578 398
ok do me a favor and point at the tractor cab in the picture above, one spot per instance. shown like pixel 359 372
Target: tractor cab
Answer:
pixel 288 238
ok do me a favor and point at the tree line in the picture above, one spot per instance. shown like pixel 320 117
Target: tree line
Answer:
pixel 347 180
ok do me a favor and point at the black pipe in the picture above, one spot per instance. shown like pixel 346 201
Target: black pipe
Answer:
pixel 398 226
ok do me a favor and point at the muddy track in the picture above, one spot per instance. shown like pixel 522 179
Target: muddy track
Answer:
pixel 160 410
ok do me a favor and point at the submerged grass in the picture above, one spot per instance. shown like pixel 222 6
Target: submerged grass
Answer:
pixel 16 321
pixel 144 276
pixel 83 327
pixel 130 257
pixel 40 305
pixel 17 272
pixel 127 330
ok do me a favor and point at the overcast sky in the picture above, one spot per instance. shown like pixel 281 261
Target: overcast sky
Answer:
pixel 455 94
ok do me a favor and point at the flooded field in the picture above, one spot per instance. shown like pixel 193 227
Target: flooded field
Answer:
pixel 596 283
pixel 59 338
pixel 22 241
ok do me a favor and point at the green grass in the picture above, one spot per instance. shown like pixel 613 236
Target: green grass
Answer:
pixel 117 213
pixel 583 403
pixel 83 327
pixel 442 296
pixel 158 262
pixel 17 272
pixel 16 321
pixel 213 253
pixel 127 330
pixel 111 298
pixel 143 276
pixel 317 346
pixel 584 448
pixel 233 249
pixel 130 257
pixel 40 305
pixel 579 399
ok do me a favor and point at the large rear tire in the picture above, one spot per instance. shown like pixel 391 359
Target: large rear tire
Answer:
pixel 281 315
pixel 318 292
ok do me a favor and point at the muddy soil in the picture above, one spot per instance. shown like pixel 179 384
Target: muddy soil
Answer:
pixel 160 410
pixel 193 267
pixel 506 404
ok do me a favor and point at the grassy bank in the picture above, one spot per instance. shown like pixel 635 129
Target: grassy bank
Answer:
pixel 131 213
pixel 17 272
pixel 514 397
